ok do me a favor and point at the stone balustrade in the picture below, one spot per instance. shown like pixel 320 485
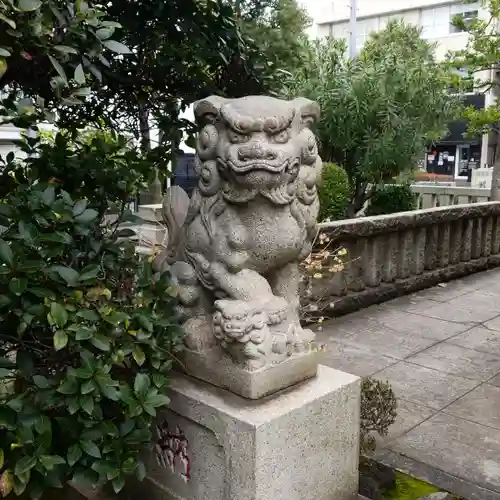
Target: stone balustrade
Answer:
pixel 392 255
pixel 435 195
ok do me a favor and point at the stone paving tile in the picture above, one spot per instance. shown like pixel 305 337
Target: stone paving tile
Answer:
pixel 479 338
pixel 354 360
pixel 482 405
pixel 409 415
pixel 495 381
pixel 456 446
pixel 387 342
pixel 425 386
pixel 417 325
pixel 493 324
pixel 446 291
pixel 459 361
pixel 473 307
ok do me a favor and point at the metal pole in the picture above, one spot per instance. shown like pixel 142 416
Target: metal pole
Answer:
pixel 352 30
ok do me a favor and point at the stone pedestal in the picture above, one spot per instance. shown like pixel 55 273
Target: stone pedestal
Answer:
pixel 298 444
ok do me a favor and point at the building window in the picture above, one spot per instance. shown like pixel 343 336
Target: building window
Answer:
pixel 466 13
pixel 339 31
pixel 435 22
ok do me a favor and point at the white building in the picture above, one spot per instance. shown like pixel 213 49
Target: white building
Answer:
pixel 9 134
pixel 454 155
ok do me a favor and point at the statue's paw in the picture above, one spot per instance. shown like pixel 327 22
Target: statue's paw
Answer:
pixel 300 340
pixel 276 309
pixel 198 334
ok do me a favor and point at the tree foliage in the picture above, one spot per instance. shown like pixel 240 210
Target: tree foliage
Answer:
pixel 86 326
pixel 481 57
pixel 379 110
pixel 277 27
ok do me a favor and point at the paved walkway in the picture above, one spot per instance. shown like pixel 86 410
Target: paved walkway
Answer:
pixel 440 350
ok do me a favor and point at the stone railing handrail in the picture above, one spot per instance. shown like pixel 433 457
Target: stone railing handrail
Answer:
pixel 455 190
pixel 432 195
pixel 401 221
pixel 391 255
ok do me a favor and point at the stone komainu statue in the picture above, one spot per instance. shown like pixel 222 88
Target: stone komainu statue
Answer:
pixel 235 247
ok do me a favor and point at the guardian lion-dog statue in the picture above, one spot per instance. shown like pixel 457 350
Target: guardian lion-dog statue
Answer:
pixel 235 247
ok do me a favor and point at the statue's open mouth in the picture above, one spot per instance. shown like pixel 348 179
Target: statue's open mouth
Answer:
pixel 245 167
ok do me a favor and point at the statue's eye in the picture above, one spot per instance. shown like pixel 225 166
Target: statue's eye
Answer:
pixel 281 137
pixel 237 138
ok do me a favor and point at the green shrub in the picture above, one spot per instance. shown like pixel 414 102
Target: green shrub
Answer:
pixel 391 199
pixel 378 413
pixel 334 193
pixel 86 331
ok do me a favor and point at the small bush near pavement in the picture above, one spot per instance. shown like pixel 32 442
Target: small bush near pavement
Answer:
pixel 334 193
pixel 391 199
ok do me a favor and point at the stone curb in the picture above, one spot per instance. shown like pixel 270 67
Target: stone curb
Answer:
pixel 441 479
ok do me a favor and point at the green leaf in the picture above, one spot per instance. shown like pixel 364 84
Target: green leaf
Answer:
pixel 87 387
pixel 69 386
pixel 59 314
pixel 87 404
pixel 141 470
pixel 6 253
pixel 118 483
pixel 49 196
pixel 110 393
pixel 79 207
pixel 138 355
pixel 4 52
pixel 89 315
pixel 60 340
pixel 59 69
pixel 79 75
pixel 41 382
pixel 157 400
pixel 145 323
pixel 141 383
pixel 100 341
pixel 90 272
pixel 24 465
pixel 84 333
pixel 65 49
pixel 90 448
pixel 42 293
pixel 81 92
pixel 50 461
pixel 69 275
pixel 87 216
pixel 105 33
pixel 117 47
pixel 4 301
pixel 18 285
pixel 74 454
pixel 43 425
pixel 73 405
pixel 9 21
pixel 149 409
pixel 29 5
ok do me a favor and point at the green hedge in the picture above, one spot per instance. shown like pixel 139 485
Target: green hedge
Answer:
pixel 391 199
pixel 334 192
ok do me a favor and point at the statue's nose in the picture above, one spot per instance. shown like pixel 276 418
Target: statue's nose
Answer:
pixel 255 151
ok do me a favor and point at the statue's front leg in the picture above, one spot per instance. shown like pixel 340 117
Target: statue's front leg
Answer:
pixel 285 282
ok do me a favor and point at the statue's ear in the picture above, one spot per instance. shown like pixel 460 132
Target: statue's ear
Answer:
pixel 309 110
pixel 208 110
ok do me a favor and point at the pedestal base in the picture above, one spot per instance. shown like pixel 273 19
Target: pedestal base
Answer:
pixel 299 444
pixel 219 369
